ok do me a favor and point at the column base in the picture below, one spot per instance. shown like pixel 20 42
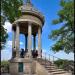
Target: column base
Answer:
pixel 39 55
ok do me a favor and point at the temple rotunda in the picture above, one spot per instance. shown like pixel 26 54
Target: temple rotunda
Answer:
pixel 29 23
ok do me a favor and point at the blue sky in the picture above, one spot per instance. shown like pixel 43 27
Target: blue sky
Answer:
pixel 49 9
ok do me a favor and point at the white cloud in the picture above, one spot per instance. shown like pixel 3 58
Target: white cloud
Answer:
pixel 60 54
pixel 9 43
pixel 21 43
pixel 8 26
pixel 6 53
pixel 63 55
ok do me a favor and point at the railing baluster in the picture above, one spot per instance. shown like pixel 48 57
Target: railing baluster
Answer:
pixel 53 59
pixel 45 59
pixel 49 57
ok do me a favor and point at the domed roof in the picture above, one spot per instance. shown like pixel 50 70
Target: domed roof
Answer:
pixel 28 8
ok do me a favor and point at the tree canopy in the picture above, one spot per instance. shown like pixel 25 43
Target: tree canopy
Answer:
pixel 64 36
pixel 9 11
pixel 3 34
pixel 67 65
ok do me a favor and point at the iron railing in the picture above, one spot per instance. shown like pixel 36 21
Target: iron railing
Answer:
pixel 51 58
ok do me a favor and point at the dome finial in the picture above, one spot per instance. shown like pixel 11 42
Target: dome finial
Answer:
pixel 28 1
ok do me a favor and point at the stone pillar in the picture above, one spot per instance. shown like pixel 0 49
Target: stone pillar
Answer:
pixel 13 42
pixel 26 36
pixel 39 42
pixel 30 47
pixel 13 39
pixel 29 39
pixel 17 40
pixel 34 42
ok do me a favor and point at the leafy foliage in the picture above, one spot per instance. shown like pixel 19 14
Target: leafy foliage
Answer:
pixel 4 63
pixel 5 66
pixel 65 64
pixel 3 34
pixel 64 35
pixel 9 11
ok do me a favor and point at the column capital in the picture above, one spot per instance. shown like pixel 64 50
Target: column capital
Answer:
pixel 17 23
pixel 29 23
pixel 39 28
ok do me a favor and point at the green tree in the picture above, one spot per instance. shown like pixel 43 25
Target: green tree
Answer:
pixel 64 36
pixel 9 11
pixel 65 64
pixel 3 34
pixel 5 65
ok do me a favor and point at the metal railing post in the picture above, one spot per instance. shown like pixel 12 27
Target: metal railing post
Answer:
pixel 45 59
pixel 53 59
pixel 49 57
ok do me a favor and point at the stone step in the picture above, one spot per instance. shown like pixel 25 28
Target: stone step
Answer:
pixel 65 74
pixel 50 67
pixel 48 64
pixel 58 72
pixel 54 70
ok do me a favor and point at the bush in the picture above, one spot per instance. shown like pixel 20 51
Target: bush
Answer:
pixel 67 65
pixel 4 66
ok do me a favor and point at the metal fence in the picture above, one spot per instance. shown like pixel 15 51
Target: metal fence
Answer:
pixel 51 58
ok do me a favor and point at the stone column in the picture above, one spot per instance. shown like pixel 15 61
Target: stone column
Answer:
pixel 13 39
pixel 29 39
pixel 34 42
pixel 13 42
pixel 26 36
pixel 39 42
pixel 30 47
pixel 17 40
